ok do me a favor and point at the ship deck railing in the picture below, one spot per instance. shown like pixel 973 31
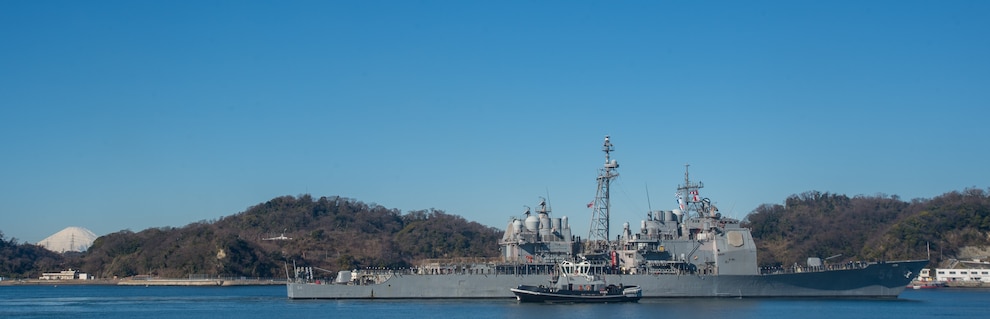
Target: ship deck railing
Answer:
pixel 774 270
pixel 460 261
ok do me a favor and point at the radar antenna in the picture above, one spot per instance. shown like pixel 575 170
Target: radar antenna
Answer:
pixel 544 207
pixel 598 235
pixel 688 197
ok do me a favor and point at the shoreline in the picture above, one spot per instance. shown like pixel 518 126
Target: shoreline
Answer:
pixel 948 284
pixel 144 282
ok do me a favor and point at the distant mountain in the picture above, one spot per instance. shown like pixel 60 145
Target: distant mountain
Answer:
pixel 76 239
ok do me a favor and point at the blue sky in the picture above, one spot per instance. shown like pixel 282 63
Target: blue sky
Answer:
pixel 130 115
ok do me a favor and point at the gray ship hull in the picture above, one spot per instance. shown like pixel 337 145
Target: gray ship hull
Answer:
pixel 881 280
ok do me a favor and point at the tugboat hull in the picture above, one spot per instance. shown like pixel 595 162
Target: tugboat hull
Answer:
pixel 537 294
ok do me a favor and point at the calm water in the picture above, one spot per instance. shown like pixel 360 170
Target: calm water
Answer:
pixel 110 302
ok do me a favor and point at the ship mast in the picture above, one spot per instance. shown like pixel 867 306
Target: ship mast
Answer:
pixel 598 235
pixel 687 195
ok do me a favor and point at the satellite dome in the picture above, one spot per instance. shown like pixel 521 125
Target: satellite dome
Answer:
pixel 69 239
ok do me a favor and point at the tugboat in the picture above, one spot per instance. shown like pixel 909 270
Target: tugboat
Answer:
pixel 576 284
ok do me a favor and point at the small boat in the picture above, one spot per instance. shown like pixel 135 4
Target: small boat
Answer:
pixel 576 284
pixel 927 285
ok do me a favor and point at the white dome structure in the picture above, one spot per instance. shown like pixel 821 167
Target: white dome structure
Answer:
pixel 69 239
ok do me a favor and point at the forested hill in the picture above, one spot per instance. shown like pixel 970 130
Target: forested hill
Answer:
pixel 816 224
pixel 329 232
pixel 17 260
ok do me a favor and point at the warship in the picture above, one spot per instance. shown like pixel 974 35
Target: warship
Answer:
pixel 686 252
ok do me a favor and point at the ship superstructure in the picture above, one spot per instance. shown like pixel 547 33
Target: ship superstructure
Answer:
pixel 538 239
pixel 691 239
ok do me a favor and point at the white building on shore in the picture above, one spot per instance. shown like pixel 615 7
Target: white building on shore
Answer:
pixel 70 274
pixel 964 271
